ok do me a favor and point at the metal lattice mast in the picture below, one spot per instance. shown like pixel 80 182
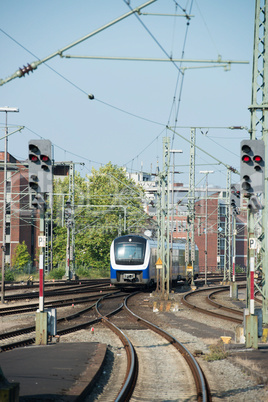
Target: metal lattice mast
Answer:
pixel 229 211
pixel 191 196
pixel 219 228
pixel 71 196
pixel 227 226
pixel 164 178
pixel 159 234
pixel 47 248
pixel 259 110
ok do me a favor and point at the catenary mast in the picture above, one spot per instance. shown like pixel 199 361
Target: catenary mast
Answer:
pixel 259 122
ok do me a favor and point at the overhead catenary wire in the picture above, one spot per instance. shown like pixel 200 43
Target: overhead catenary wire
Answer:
pixel 98 100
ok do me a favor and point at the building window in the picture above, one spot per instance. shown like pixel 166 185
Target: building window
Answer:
pixel 222 210
pixel 7 248
pixel 7 228
pixel 222 243
pixel 8 186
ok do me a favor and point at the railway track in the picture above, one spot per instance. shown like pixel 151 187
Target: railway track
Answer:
pixel 56 292
pixel 106 316
pixel 62 324
pixel 25 308
pixel 234 315
pixel 130 333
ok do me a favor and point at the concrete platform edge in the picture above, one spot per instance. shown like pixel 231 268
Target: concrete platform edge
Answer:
pixel 88 378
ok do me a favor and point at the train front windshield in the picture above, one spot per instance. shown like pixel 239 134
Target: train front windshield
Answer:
pixel 129 253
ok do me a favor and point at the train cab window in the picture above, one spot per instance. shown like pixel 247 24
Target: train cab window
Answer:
pixel 129 253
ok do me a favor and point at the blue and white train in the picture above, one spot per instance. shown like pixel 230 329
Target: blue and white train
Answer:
pixel 133 261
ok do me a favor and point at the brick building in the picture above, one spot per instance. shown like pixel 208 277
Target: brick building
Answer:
pixel 22 221
pixel 18 214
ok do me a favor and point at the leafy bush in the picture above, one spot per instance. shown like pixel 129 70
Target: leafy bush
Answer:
pixel 56 273
pixel 9 275
pixel 83 272
pixel 92 273
pixel 240 270
pixel 21 256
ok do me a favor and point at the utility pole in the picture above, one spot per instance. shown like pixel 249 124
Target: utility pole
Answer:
pixel 258 128
pixel 71 197
pixel 235 207
pixel 227 247
pixel 206 172
pixel 229 222
pixel 259 121
pixel 173 151
pixel 68 223
pixel 164 218
pixel 6 110
pixel 191 205
pixel 40 184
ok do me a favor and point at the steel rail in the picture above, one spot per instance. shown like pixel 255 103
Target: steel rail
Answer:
pixel 220 306
pixel 202 388
pixel 54 293
pixel 132 359
pixel 50 304
pixel 208 312
pixel 60 332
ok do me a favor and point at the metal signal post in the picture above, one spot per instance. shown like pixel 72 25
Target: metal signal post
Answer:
pixel 40 183
pixel 6 110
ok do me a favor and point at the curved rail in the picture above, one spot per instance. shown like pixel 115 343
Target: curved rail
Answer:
pixel 220 306
pixel 208 312
pixel 132 359
pixel 202 388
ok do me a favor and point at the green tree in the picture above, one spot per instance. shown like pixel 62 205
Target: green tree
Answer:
pixel 106 204
pixel 21 256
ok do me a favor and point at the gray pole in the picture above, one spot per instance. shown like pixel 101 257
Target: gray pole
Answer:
pixel 6 110
pixel 4 217
pixel 206 237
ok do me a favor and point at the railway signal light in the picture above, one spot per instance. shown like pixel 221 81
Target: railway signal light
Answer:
pixel 252 166
pixel 39 202
pixel 68 214
pixel 235 197
pixel 254 204
pixel 40 166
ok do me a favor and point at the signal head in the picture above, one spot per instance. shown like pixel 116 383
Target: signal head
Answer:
pixel 40 166
pixel 252 166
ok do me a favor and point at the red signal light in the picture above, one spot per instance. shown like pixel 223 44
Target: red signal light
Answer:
pixel 246 158
pixel 33 158
pixel 44 158
pixel 257 158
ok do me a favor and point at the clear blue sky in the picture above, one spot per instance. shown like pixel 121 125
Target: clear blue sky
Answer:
pixel 134 101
